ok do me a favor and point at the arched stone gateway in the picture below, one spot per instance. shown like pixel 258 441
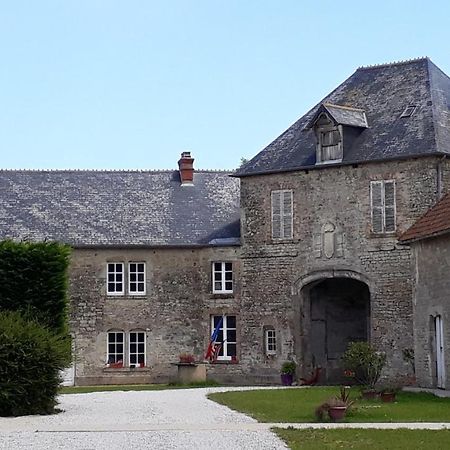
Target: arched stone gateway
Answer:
pixel 333 310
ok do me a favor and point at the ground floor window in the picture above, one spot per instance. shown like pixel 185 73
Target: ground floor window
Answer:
pixel 270 342
pixel 118 342
pixel 226 337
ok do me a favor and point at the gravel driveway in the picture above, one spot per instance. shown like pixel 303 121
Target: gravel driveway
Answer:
pixel 170 419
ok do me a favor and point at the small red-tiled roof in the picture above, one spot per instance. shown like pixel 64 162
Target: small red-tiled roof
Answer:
pixel 434 222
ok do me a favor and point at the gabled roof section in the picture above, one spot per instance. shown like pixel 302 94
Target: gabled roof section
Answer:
pixel 119 208
pixel 341 115
pixel 434 222
pixel 382 92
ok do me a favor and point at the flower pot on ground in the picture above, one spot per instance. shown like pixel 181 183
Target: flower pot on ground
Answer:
pixel 388 397
pixel 369 394
pixel 337 413
pixel 287 373
pixel 335 408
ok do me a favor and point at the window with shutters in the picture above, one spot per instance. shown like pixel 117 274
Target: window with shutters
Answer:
pixel 329 140
pixel 222 273
pixel 382 200
pixel 282 216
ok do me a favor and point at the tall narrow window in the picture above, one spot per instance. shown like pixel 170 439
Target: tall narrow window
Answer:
pixel 226 338
pixel 382 198
pixel 270 342
pixel 115 284
pixel 137 349
pixel 115 347
pixel 222 277
pixel 136 278
pixel 282 214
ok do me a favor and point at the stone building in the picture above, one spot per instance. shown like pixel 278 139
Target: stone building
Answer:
pixel 155 260
pixel 429 238
pixel 321 211
pixel 297 251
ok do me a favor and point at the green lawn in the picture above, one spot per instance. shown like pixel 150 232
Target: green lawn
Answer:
pixel 133 387
pixel 298 405
pixel 359 439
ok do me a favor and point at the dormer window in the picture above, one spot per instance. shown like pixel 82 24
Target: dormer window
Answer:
pixel 331 124
pixel 329 140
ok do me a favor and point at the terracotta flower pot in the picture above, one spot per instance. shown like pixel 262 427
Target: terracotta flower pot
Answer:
pixel 369 395
pixel 388 397
pixel 337 413
pixel 287 379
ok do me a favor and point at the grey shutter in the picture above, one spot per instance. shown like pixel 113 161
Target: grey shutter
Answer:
pixel 276 215
pixel 287 214
pixel 376 198
pixel 389 206
pixel 317 245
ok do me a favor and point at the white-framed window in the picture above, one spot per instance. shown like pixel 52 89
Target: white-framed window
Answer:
pixel 222 274
pixel 270 339
pixel 282 214
pixel 115 278
pixel 382 205
pixel 226 338
pixel 115 347
pixel 136 349
pixel 136 278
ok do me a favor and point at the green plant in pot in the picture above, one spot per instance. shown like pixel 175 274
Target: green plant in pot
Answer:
pixel 365 364
pixel 388 393
pixel 287 373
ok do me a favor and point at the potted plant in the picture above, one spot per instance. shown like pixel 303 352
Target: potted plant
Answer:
pixel 186 358
pixel 365 364
pixel 287 373
pixel 337 409
pixel 388 393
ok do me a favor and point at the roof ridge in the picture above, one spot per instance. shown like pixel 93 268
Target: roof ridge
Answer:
pixel 394 63
pixel 155 171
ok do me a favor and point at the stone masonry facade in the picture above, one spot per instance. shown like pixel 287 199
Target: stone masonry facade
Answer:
pixel 273 274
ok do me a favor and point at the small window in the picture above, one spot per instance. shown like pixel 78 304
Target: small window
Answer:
pixel 137 349
pixel 115 282
pixel 226 339
pixel 408 111
pixel 383 206
pixel 270 342
pixel 136 278
pixel 115 354
pixel 222 277
pixel 282 215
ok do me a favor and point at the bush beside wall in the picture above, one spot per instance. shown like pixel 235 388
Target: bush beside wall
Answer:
pixel 31 357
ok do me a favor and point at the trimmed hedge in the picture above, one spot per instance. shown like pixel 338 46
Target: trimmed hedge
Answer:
pixel 33 280
pixel 31 357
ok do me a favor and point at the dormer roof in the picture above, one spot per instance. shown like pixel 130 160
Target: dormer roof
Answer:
pixel 340 115
pixel 383 93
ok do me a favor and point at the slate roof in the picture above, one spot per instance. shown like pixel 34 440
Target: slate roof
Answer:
pixel 119 208
pixel 383 92
pixel 434 222
pixel 342 115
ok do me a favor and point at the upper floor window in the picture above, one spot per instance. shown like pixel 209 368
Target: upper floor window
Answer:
pixel 282 215
pixel 382 202
pixel 329 140
pixel 136 278
pixel 222 277
pixel 116 278
pixel 115 285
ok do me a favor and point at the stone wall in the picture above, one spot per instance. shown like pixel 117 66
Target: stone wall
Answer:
pixel 274 274
pixel 432 298
pixel 174 313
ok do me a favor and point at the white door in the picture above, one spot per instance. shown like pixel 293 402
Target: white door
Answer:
pixel 440 368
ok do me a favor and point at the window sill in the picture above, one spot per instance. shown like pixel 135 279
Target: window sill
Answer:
pixel 126 369
pixel 126 296
pixel 220 295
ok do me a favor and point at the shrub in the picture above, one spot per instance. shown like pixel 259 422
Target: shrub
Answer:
pixel 364 363
pixel 288 368
pixel 31 357
pixel 33 280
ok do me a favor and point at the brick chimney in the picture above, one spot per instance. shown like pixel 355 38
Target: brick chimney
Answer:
pixel 186 167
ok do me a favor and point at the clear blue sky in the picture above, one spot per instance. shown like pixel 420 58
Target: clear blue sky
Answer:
pixel 131 84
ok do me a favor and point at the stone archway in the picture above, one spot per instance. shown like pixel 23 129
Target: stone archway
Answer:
pixel 334 309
